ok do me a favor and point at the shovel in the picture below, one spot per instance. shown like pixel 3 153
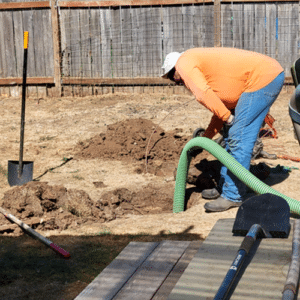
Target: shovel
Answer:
pixel 264 216
pixel 21 172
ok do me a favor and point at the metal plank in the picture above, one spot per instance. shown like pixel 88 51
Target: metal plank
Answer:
pixel 149 277
pixel 263 278
pixel 107 284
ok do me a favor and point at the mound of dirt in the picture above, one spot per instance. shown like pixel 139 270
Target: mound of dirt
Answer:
pixel 46 207
pixel 134 140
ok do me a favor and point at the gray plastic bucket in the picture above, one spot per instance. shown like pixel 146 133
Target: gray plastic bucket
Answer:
pixel 294 111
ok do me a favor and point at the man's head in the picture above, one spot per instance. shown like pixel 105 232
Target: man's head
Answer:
pixel 169 65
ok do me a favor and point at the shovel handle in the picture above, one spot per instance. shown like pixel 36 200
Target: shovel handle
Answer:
pixel 26 35
pixel 245 247
pixel 35 234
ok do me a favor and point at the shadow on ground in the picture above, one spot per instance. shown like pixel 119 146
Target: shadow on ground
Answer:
pixel 31 270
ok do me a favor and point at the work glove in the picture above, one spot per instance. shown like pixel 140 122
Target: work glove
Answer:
pixel 228 123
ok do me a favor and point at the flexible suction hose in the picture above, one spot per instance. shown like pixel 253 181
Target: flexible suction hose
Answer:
pixel 226 159
pixel 290 288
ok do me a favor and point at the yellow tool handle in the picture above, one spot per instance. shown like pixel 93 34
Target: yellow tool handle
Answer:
pixel 25 39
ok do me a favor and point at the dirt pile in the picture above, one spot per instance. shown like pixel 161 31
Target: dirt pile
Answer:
pixel 134 140
pixel 46 207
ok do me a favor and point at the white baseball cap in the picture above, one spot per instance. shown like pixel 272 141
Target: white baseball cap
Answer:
pixel 170 62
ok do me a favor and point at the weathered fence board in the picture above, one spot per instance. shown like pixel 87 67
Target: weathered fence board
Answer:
pixel 2 49
pixel 132 41
pixel 249 25
pixel 85 38
pixel 188 30
pixel 271 28
pixel 237 25
pixel 27 16
pixel 96 59
pixel 38 43
pixel 259 27
pixel 48 44
pixel 106 42
pixel 19 41
pixel 226 32
pixel 9 44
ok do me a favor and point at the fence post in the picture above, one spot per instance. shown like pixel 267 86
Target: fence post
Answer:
pixel 217 23
pixel 56 91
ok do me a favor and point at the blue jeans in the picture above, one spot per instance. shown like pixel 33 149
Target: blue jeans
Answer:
pixel 250 113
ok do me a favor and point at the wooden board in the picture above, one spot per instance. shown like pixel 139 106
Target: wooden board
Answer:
pixel 18 42
pixel 237 25
pixel 249 20
pixel 105 17
pixel 28 26
pixel 38 43
pixel 188 28
pixel 107 284
pixel 151 274
pixel 75 45
pixel 3 73
pixel 11 70
pixel 271 28
pixel 85 42
pixel 260 32
pixel 95 29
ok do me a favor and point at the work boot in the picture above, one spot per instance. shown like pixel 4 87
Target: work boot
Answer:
pixel 221 204
pixel 210 194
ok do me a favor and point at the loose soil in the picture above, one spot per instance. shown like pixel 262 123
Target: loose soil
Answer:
pixel 106 166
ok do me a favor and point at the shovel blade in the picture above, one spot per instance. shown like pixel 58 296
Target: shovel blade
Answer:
pixel 13 172
pixel 271 212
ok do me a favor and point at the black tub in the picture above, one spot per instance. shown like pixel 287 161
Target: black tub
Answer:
pixel 294 110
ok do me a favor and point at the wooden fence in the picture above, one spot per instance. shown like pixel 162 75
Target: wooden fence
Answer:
pixel 95 47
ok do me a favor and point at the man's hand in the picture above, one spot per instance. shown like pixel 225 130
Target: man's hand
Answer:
pixel 228 123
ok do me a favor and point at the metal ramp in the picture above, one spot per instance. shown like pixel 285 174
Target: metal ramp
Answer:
pixel 262 279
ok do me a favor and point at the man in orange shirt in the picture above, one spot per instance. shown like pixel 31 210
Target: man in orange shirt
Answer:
pixel 227 80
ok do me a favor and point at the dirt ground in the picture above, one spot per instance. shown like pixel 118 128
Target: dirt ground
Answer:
pixel 106 164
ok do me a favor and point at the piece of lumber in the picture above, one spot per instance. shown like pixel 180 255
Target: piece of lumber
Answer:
pixel 152 273
pixel 107 284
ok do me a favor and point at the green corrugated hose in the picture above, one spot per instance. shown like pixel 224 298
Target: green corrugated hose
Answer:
pixel 226 159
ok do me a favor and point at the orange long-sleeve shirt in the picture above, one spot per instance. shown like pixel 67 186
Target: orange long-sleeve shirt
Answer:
pixel 218 76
